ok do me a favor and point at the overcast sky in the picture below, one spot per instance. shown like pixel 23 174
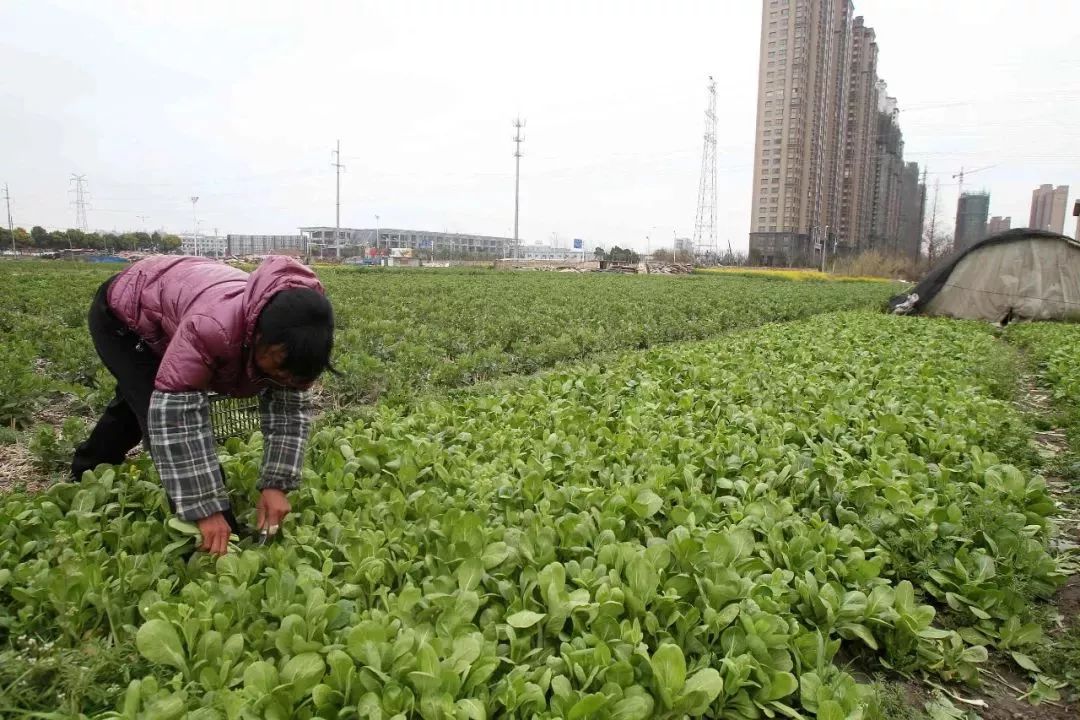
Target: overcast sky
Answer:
pixel 240 103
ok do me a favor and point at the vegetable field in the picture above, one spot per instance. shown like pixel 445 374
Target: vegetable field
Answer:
pixel 745 527
pixel 402 333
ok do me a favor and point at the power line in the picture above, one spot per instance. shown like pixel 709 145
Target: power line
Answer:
pixel 705 223
pixel 338 167
pixel 81 201
pixel 518 139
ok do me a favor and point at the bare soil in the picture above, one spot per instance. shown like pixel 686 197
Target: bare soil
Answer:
pixel 17 469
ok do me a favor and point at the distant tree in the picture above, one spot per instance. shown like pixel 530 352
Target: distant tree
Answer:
pixel 624 255
pixel 599 254
pixel 58 240
pixel 937 247
pixel 128 241
pixel 732 258
pixel 39 236
pixel 170 243
pixel 113 242
pixel 22 238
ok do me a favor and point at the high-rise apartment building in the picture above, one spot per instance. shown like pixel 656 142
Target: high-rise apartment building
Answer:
pixel 860 139
pixel 802 91
pixel 837 87
pixel 912 212
pixel 884 232
pixel 998 224
pixel 971 214
pixel 1048 207
pixel 828 155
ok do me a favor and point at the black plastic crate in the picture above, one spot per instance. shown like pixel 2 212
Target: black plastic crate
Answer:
pixel 233 417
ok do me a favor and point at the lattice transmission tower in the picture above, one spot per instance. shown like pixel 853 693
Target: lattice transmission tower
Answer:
pixel 82 200
pixel 705 224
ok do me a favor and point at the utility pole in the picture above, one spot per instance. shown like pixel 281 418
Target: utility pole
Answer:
pixel 518 139
pixel 922 210
pixel 80 200
pixel 378 232
pixel 931 251
pixel 11 230
pixel 338 167
pixel 705 223
pixel 195 224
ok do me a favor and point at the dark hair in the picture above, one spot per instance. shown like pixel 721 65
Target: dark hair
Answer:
pixel 302 320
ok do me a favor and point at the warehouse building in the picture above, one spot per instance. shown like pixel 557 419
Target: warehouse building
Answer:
pixel 263 244
pixel 546 252
pixel 424 240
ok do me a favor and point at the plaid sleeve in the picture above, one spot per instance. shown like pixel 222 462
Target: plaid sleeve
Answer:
pixel 285 418
pixel 182 446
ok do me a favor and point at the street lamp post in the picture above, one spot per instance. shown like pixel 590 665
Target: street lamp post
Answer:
pixel 648 242
pixel 824 247
pixel 195 224
pixel 378 233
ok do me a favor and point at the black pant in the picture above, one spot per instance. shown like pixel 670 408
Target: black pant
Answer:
pixel 134 365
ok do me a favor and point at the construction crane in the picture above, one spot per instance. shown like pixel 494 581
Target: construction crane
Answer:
pixel 964 173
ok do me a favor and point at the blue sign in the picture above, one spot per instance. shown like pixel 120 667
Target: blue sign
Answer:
pixel 579 244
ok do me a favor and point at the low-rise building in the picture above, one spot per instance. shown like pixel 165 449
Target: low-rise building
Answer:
pixel 437 243
pixel 546 252
pixel 263 244
pixel 208 245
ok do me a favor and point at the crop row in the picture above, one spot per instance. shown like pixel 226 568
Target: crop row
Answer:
pixel 1055 348
pixel 700 530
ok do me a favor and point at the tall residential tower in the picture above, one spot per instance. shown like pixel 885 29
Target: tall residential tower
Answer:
pixel 858 175
pixel 825 178
pixel 1048 207
pixel 971 215
pixel 802 91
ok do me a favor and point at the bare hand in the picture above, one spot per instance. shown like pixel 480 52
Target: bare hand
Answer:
pixel 215 534
pixel 272 508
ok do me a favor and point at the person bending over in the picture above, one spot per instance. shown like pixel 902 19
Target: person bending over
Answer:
pixel 173 329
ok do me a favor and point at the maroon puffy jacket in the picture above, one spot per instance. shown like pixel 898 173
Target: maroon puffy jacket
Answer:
pixel 199 317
